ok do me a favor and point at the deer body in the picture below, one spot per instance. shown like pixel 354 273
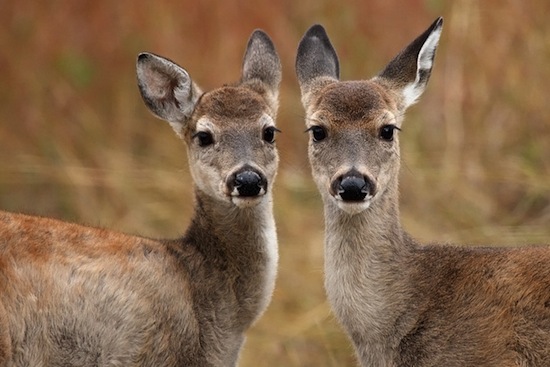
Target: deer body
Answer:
pixel 403 303
pixel 82 296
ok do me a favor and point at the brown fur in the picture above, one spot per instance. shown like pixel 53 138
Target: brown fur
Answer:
pixel 401 302
pixel 72 295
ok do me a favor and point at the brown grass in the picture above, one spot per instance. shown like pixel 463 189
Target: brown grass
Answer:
pixel 77 143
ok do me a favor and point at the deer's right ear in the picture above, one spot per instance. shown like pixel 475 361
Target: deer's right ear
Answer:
pixel 166 89
pixel 316 61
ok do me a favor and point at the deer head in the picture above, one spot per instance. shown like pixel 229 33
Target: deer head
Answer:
pixel 229 131
pixel 354 144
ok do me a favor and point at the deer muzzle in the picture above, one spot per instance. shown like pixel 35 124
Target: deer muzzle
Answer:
pixel 353 187
pixel 247 182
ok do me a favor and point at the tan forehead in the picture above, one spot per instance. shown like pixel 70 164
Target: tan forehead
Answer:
pixel 231 104
pixel 343 102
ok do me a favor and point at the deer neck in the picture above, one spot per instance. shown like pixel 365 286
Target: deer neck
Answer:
pixel 365 276
pixel 238 248
pixel 375 233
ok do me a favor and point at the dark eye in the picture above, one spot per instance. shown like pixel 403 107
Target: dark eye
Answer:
pixel 204 138
pixel 269 134
pixel 387 132
pixel 318 133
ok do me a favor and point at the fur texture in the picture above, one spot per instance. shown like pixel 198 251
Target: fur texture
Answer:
pixel 72 295
pixel 403 303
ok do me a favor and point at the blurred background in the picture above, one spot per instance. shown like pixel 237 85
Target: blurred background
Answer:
pixel 77 143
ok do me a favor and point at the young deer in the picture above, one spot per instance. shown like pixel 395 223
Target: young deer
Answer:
pixel 78 296
pixel 402 303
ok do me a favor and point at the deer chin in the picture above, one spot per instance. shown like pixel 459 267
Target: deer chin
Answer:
pixel 353 207
pixel 246 201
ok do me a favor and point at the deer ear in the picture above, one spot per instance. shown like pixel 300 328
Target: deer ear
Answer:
pixel 316 61
pixel 410 70
pixel 166 89
pixel 261 68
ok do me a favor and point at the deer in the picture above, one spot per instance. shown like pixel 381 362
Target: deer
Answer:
pixel 401 302
pixel 73 295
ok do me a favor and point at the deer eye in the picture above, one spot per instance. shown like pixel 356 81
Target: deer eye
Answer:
pixel 204 138
pixel 318 133
pixel 387 132
pixel 269 134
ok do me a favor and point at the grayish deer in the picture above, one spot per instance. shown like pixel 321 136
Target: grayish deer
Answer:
pixel 403 303
pixel 72 295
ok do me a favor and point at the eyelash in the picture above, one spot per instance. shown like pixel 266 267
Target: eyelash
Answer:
pixel 268 134
pixel 387 132
pixel 318 133
pixel 204 138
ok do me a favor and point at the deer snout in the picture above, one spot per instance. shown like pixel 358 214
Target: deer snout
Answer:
pixel 247 182
pixel 353 186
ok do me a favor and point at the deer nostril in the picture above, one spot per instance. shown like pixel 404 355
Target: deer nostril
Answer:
pixel 354 188
pixel 249 183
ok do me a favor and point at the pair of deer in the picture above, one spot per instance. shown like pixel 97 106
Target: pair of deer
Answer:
pixel 80 296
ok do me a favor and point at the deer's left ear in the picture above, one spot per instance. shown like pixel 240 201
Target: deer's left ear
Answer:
pixel 261 69
pixel 410 70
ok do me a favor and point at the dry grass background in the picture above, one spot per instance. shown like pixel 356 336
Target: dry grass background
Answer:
pixel 77 143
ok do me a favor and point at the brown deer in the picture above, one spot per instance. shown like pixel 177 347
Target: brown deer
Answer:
pixel 403 303
pixel 72 295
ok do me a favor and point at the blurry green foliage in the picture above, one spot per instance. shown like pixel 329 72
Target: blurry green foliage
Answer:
pixel 77 68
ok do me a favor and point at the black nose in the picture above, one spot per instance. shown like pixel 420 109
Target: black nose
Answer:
pixel 249 183
pixel 353 187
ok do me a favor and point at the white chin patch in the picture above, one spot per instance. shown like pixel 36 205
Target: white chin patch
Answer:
pixel 354 207
pixel 246 201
